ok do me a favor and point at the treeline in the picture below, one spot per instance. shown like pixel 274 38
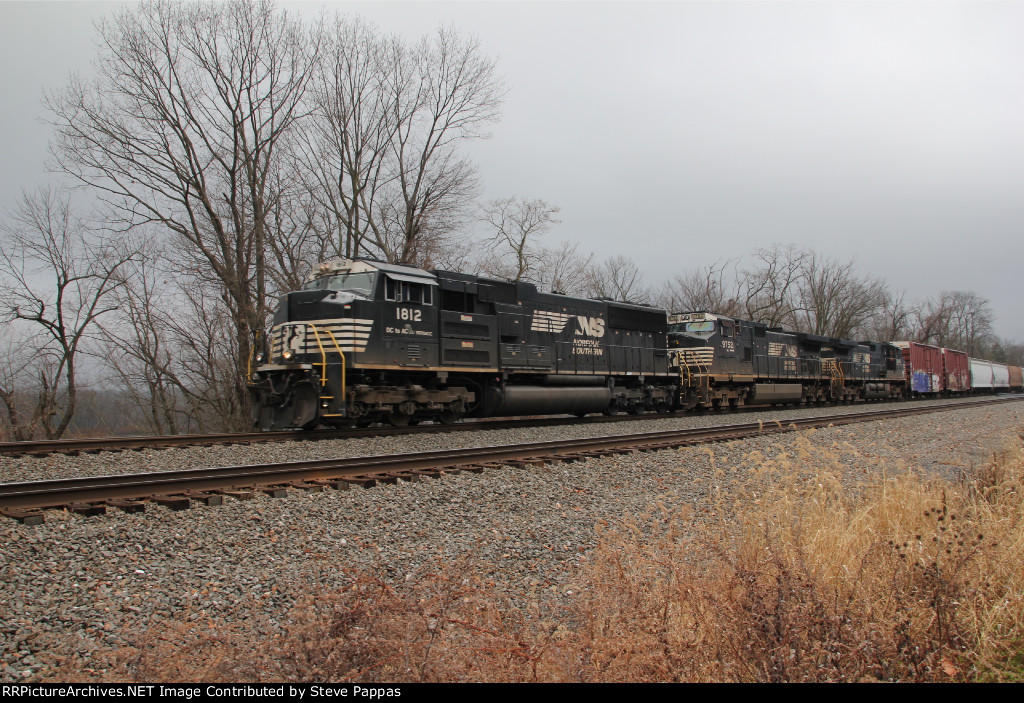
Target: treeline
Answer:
pixel 803 290
pixel 225 148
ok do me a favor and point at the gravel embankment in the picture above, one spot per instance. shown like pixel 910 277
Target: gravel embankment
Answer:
pixel 75 584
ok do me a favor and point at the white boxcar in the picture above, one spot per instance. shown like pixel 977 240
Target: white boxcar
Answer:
pixel 1000 377
pixel 981 375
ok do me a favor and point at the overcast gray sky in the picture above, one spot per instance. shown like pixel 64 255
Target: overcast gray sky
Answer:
pixel 679 133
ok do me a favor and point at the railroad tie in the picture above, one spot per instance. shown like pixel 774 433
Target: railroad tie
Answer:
pixel 273 491
pixel 205 497
pixel 128 506
pixel 364 481
pixel 172 502
pixel 25 517
pixel 236 494
pixel 309 487
pixel 87 509
pixel 322 484
pixel 429 473
pixel 393 477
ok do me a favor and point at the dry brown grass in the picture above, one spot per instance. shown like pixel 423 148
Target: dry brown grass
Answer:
pixel 787 575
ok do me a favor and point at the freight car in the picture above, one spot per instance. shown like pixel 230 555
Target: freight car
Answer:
pixel 726 361
pixel 956 372
pixel 366 341
pixel 989 376
pixel 1016 377
pixel 924 368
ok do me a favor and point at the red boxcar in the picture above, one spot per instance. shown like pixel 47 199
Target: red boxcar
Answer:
pixel 924 367
pixel 956 371
pixel 1016 378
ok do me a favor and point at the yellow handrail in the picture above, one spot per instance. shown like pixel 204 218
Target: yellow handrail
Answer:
pixel 342 354
pixel 323 358
pixel 252 353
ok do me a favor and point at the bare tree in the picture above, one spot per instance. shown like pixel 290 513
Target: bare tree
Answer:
pixel 931 321
pixel 382 153
pixel 711 288
pixel 894 318
pixel 959 319
pixel 346 152
pixel 834 299
pixel 516 252
pixel 956 319
pixel 24 384
pixel 182 128
pixel 1013 351
pixel 566 269
pixel 57 276
pixel 618 278
pixel 145 362
pixel 768 291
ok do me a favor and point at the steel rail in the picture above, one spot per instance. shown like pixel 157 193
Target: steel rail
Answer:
pixel 45 447
pixel 64 492
pixel 95 445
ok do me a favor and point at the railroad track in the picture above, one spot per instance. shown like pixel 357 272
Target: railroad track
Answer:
pixel 178 489
pixel 92 445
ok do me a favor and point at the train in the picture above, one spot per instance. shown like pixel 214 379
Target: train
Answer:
pixel 725 361
pixel 366 341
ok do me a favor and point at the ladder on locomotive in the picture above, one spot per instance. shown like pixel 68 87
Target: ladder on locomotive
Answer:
pixel 323 366
pixel 323 360
pixel 836 376
pixel 701 380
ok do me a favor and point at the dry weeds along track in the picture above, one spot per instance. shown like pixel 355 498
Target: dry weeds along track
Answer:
pixel 177 489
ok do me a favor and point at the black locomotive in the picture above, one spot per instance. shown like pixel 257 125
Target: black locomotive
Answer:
pixel 366 341
pixel 725 361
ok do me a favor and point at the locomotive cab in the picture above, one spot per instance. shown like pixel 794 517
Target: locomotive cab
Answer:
pixel 690 339
pixel 349 315
pixel 715 356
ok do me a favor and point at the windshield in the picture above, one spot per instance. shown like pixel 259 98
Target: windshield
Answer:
pixel 361 283
pixel 703 328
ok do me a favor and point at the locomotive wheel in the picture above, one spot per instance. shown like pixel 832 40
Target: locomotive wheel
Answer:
pixel 399 419
pixel 452 412
pixel 449 417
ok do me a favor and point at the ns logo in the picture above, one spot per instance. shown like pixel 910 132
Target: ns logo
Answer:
pixel 590 326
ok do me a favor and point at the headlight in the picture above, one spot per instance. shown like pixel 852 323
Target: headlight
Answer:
pixel 288 354
pixel 259 358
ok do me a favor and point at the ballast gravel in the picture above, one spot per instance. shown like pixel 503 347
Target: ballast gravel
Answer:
pixel 76 585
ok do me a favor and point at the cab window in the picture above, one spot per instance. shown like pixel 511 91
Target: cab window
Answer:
pixel 406 292
pixel 706 326
pixel 361 283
